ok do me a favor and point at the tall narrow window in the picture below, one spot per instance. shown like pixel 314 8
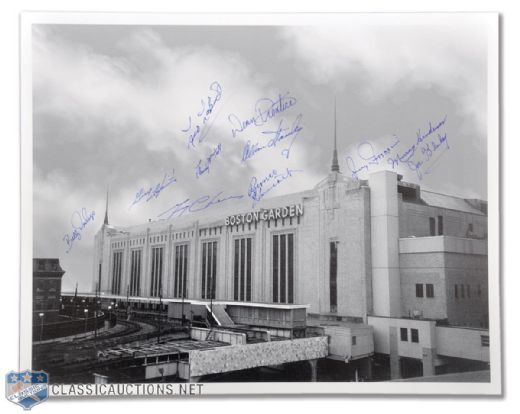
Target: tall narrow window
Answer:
pixel 135 273
pixel 414 335
pixel 419 293
pixel 432 226
pixel 242 269
pixel 99 278
pixel 157 269
pixel 333 276
pixel 283 268
pixel 116 272
pixel 276 260
pixel 209 270
pixel 404 334
pixel 290 268
pixel 440 226
pixel 429 290
pixel 456 291
pixel 461 291
pixel 181 271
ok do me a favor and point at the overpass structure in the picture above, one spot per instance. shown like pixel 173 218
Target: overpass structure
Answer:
pixel 209 352
pixel 227 336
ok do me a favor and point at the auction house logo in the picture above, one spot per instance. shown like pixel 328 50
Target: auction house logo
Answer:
pixel 27 388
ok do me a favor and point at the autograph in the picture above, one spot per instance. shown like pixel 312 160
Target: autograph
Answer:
pixel 193 206
pixel 202 166
pixel 422 158
pixel 155 191
pixel 199 126
pixel 265 109
pixel 277 136
pixel 368 154
pixel 78 220
pixel 258 188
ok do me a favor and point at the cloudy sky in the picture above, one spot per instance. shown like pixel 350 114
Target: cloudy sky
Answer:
pixel 118 107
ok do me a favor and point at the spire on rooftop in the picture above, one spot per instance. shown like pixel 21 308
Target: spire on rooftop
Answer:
pixel 106 212
pixel 335 165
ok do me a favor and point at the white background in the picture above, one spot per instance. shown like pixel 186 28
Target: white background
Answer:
pixel 10 211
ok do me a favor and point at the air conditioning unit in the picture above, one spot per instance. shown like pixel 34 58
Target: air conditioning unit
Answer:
pixel 417 314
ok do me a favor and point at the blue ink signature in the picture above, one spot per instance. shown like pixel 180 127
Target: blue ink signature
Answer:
pixel 280 134
pixel 202 166
pixel 78 221
pixel 155 191
pixel 258 188
pixel 431 129
pixel 192 206
pixel 367 152
pixel 422 156
pixel 265 109
pixel 250 150
pixel 199 128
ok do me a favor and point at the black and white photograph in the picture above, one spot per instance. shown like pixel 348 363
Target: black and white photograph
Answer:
pixel 223 204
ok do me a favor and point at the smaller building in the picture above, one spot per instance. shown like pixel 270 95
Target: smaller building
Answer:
pixel 47 274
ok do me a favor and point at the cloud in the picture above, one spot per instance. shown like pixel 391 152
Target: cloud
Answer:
pixel 116 119
pixel 377 60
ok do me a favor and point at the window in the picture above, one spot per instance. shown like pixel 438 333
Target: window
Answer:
pixel 456 291
pixel 283 268
pixel 432 226
pixel 181 271
pixel 333 276
pixel 461 291
pixel 414 335
pixel 242 269
pixel 429 290
pixel 99 278
pixel 135 273
pixel 468 291
pixel 209 269
pixel 419 290
pixel 440 226
pixel 484 340
pixel 116 272
pixel 157 269
pixel 404 334
pixel 354 340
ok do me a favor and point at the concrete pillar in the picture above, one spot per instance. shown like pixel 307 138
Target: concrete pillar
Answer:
pixel 314 369
pixel 384 220
pixel 395 360
pixel 428 361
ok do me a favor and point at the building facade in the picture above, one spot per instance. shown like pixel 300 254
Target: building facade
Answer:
pixel 380 251
pixel 47 274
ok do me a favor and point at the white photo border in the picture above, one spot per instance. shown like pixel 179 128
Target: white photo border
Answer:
pixel 494 387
